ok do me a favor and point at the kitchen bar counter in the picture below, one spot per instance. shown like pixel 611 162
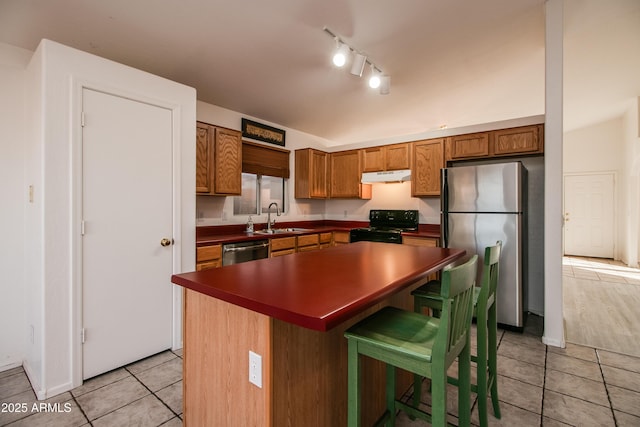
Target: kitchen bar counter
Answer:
pixel 319 290
pixel 292 311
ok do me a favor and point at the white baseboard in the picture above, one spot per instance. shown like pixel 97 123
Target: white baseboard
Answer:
pixel 10 365
pixel 37 389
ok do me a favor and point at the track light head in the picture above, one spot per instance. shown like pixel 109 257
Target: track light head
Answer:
pixel 341 54
pixel 357 66
pixel 374 79
pixel 385 84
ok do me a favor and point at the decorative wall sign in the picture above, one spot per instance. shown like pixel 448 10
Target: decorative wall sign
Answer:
pixel 254 130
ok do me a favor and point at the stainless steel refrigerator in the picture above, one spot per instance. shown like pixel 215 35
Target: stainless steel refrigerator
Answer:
pixel 481 205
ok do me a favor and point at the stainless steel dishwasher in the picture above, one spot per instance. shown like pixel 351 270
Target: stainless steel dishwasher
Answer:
pixel 235 253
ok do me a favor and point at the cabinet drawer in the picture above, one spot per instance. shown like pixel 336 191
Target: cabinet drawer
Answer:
pixel 308 248
pixel 283 252
pixel 283 243
pixel 207 253
pixel 308 240
pixel 419 241
pixel 208 264
pixel 341 237
pixel 325 238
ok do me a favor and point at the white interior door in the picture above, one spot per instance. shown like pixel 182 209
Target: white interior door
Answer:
pixel 127 211
pixel 588 215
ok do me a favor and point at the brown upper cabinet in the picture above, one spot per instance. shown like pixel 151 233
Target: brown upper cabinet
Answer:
pixel 524 140
pixel 428 159
pixel 345 174
pixel 469 146
pixel 311 172
pixel 521 140
pixel 218 160
pixel 386 157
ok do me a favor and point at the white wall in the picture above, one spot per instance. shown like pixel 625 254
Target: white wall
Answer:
pixel 553 319
pixel 13 192
pixel 631 190
pixel 601 148
pixel 56 75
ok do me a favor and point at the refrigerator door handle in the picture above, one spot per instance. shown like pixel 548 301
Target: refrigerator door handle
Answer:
pixel 444 202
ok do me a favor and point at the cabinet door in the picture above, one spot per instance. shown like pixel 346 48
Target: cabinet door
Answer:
pixel 428 159
pixel 228 162
pixel 521 140
pixel 341 238
pixel 345 174
pixel 397 156
pixel 318 179
pixel 311 174
pixel 204 157
pixel 372 159
pixel 468 146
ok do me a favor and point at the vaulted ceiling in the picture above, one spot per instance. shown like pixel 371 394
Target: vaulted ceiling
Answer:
pixel 453 62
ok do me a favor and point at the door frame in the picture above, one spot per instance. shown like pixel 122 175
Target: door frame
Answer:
pixel 616 255
pixel 77 87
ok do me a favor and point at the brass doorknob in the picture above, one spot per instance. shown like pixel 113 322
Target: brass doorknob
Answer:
pixel 166 242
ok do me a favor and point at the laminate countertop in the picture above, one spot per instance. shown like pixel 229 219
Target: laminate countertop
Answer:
pixel 212 235
pixel 321 289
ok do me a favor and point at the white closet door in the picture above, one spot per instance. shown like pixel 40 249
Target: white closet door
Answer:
pixel 127 211
pixel 588 215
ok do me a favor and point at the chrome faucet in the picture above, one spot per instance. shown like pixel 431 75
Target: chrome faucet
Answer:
pixel 269 224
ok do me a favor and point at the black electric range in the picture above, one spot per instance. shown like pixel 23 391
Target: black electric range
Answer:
pixel 386 226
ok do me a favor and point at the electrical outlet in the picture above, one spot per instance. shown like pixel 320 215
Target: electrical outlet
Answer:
pixel 255 369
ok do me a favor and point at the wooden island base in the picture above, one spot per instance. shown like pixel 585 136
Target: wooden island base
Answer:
pixel 304 372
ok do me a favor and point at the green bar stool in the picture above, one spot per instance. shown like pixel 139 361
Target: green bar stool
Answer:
pixel 484 310
pixel 420 344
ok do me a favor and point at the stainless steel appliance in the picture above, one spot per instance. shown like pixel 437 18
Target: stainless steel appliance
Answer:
pixel 235 253
pixel 386 226
pixel 481 205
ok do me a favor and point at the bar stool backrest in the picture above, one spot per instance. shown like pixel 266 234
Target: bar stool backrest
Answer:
pixel 457 308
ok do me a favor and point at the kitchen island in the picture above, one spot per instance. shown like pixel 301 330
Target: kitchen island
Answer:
pixel 292 311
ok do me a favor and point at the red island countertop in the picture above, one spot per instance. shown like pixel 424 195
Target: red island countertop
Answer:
pixel 321 289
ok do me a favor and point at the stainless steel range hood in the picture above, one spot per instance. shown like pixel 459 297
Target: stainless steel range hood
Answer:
pixel 386 176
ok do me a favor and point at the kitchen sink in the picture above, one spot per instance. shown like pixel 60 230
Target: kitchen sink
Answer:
pixel 282 230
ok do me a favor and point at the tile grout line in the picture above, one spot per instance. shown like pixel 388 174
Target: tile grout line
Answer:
pixel 81 410
pixel 544 385
pixel 606 389
pixel 152 393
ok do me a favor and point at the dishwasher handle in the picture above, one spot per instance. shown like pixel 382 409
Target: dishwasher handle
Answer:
pixel 243 248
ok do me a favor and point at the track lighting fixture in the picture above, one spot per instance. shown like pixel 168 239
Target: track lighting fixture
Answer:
pixel 344 53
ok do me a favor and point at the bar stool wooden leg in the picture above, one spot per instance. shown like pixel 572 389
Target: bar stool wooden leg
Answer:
pixel 493 359
pixel 353 413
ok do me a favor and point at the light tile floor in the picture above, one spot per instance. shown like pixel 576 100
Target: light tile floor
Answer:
pixel 145 393
pixel 538 386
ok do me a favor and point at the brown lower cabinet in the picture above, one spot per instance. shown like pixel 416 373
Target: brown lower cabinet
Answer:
pixel 208 257
pixel 341 238
pixel 282 246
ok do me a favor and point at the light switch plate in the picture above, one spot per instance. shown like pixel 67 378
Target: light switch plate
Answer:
pixel 255 369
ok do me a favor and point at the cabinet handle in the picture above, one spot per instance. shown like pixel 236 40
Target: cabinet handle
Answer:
pixel 166 242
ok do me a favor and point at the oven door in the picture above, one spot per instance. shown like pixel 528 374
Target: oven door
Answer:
pixel 368 235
